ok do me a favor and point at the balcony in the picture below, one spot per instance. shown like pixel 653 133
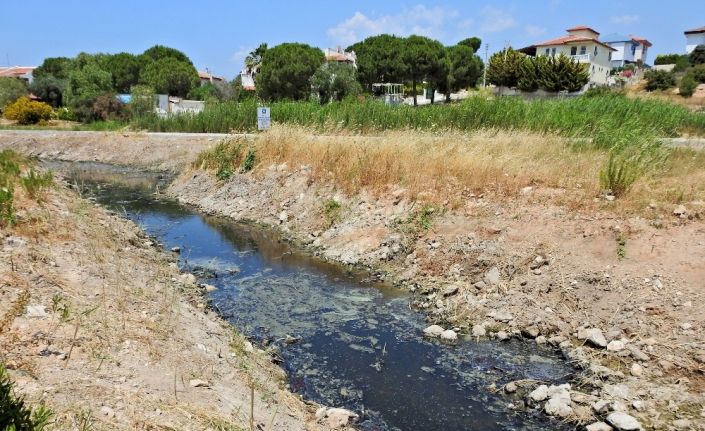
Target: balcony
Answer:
pixel 581 58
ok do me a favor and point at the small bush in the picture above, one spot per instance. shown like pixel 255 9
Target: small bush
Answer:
pixel 687 85
pixel 14 413
pixel 26 111
pixel 34 182
pixel 619 175
pixel 666 59
pixel 659 80
pixel 249 162
pixel 65 114
pixel 7 212
pixel 331 210
pixel 108 107
pixel 697 56
pixel 698 73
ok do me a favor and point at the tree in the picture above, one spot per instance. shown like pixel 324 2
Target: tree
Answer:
pixel 561 73
pixel 380 59
pixel 503 68
pixel 11 89
pixel 50 89
pixel 159 52
pixel 143 101
pixel 530 73
pixel 254 59
pixel 425 58
pixel 464 68
pixel 88 83
pixel 203 92
pixel 473 42
pixel 659 80
pixel 335 81
pixel 286 71
pixel 687 85
pixel 171 76
pixel 697 56
pixel 58 67
pixel 125 69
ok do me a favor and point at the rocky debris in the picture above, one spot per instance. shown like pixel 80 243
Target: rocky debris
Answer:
pixel 335 418
pixel 639 405
pixel 492 276
pixel 36 311
pixel 559 401
pixel 615 346
pixel 623 422
pixel 682 424
pixel 636 370
pixel 593 336
pixel 479 330
pixel 539 394
pixel 283 217
pixel 538 262
pixel 540 339
pixel 197 383
pixel 636 353
pixel 107 411
pixel 188 279
pixel 530 331
pixel 510 387
pixel 208 288
pixel 449 335
pixel 501 316
pixel 598 426
pixel 450 290
pixel 502 336
pixel 680 211
pixel 176 249
pixel 433 331
pixel 480 285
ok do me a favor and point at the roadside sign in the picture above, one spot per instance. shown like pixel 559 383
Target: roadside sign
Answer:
pixel 264 119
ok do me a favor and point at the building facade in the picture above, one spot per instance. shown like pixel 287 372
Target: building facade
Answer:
pixel 694 38
pixel 628 49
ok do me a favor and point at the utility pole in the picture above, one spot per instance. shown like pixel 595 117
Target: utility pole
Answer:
pixel 484 75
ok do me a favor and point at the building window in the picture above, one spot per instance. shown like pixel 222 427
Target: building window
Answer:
pixel 583 50
pixel 633 49
pixel 548 51
pixel 609 56
pixel 573 50
pixel 595 51
pixel 553 52
pixel 593 68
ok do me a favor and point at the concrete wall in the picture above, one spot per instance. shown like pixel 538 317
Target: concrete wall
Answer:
pixel 693 40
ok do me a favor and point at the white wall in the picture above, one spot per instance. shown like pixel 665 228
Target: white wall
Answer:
pixel 619 53
pixel 693 40
pixel 598 66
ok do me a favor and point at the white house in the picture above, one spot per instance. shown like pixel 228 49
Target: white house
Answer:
pixel 20 72
pixel 694 38
pixel 582 44
pixel 629 49
pixel 340 55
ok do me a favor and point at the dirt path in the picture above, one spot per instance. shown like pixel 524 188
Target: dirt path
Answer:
pixel 99 324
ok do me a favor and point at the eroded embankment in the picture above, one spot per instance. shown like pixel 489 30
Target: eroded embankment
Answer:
pixel 99 325
pixel 622 296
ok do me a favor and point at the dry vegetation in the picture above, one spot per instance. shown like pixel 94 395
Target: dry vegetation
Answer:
pixel 443 168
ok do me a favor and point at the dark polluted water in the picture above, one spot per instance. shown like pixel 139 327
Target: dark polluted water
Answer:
pixel 360 345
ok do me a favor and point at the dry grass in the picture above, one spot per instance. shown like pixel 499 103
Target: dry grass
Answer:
pixel 434 168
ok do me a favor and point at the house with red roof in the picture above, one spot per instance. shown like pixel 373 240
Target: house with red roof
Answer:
pixel 581 43
pixel 20 72
pixel 339 55
pixel 630 49
pixel 693 38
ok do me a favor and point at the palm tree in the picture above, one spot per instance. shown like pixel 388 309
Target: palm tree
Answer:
pixel 254 59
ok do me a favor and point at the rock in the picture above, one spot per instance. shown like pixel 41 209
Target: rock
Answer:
pixel 623 422
pixel 449 335
pixel 530 331
pixel 636 370
pixel 598 426
pixel 283 217
pixel 680 211
pixel 501 316
pixel 686 326
pixel 502 336
pixel 615 346
pixel 321 413
pixel 636 353
pixel 337 418
pixel 593 336
pixel 433 331
pixel 601 406
pixel 510 387
pixel 209 288
pixel 249 348
pixel 556 340
pixel 450 290
pixel 639 405
pixel 478 330
pixel 540 339
pixel 176 249
pixel 538 262
pixel 36 311
pixel 480 285
pixel 107 411
pixel 188 279
pixel 682 424
pixel 196 383
pixel 492 276
pixel 539 394
pixel 558 407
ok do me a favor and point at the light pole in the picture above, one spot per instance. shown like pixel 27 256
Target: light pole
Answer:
pixel 484 75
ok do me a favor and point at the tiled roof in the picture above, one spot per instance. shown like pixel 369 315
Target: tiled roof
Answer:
pixel 582 27
pixel 207 75
pixel 641 40
pixel 572 39
pixel 696 30
pixel 15 71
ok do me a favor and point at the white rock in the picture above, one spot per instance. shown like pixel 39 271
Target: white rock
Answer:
pixel 601 406
pixel 492 276
pixel 283 217
pixel 337 418
pixel 188 279
pixel 636 370
pixel 592 335
pixel 682 424
pixel 623 422
pixel 107 411
pixel 38 311
pixel 686 326
pixel 598 426
pixel 502 336
pixel 433 331
pixel 540 339
pixel 209 288
pixel 501 316
pixel 321 413
pixel 478 331
pixel 680 210
pixel 539 394
pixel 558 407
pixel 510 387
pixel 449 335
pixel 615 346
pixel 639 405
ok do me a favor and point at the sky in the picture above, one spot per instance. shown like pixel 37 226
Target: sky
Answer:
pixel 218 34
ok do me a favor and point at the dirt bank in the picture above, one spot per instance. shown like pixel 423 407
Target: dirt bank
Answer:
pixel 621 295
pixel 98 324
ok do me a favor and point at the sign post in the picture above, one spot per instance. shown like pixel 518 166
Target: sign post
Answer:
pixel 264 119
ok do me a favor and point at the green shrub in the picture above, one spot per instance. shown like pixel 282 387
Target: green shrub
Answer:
pixel 331 210
pixel 65 114
pixel 687 85
pixel 34 182
pixel 666 59
pixel 249 161
pixel 697 56
pixel 15 415
pixel 659 80
pixel 7 212
pixel 619 175
pixel 11 89
pixel 108 107
pixel 698 73
pixel 26 111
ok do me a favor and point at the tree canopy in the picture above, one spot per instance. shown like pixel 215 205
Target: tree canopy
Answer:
pixel 504 68
pixel 159 52
pixel 58 67
pixel 170 75
pixel 425 59
pixel 697 56
pixel 11 89
pixel 472 42
pixel 380 59
pixel 125 69
pixel 286 71
pixel 464 68
pixel 335 81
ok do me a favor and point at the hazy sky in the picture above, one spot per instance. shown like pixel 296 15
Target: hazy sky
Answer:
pixel 218 34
